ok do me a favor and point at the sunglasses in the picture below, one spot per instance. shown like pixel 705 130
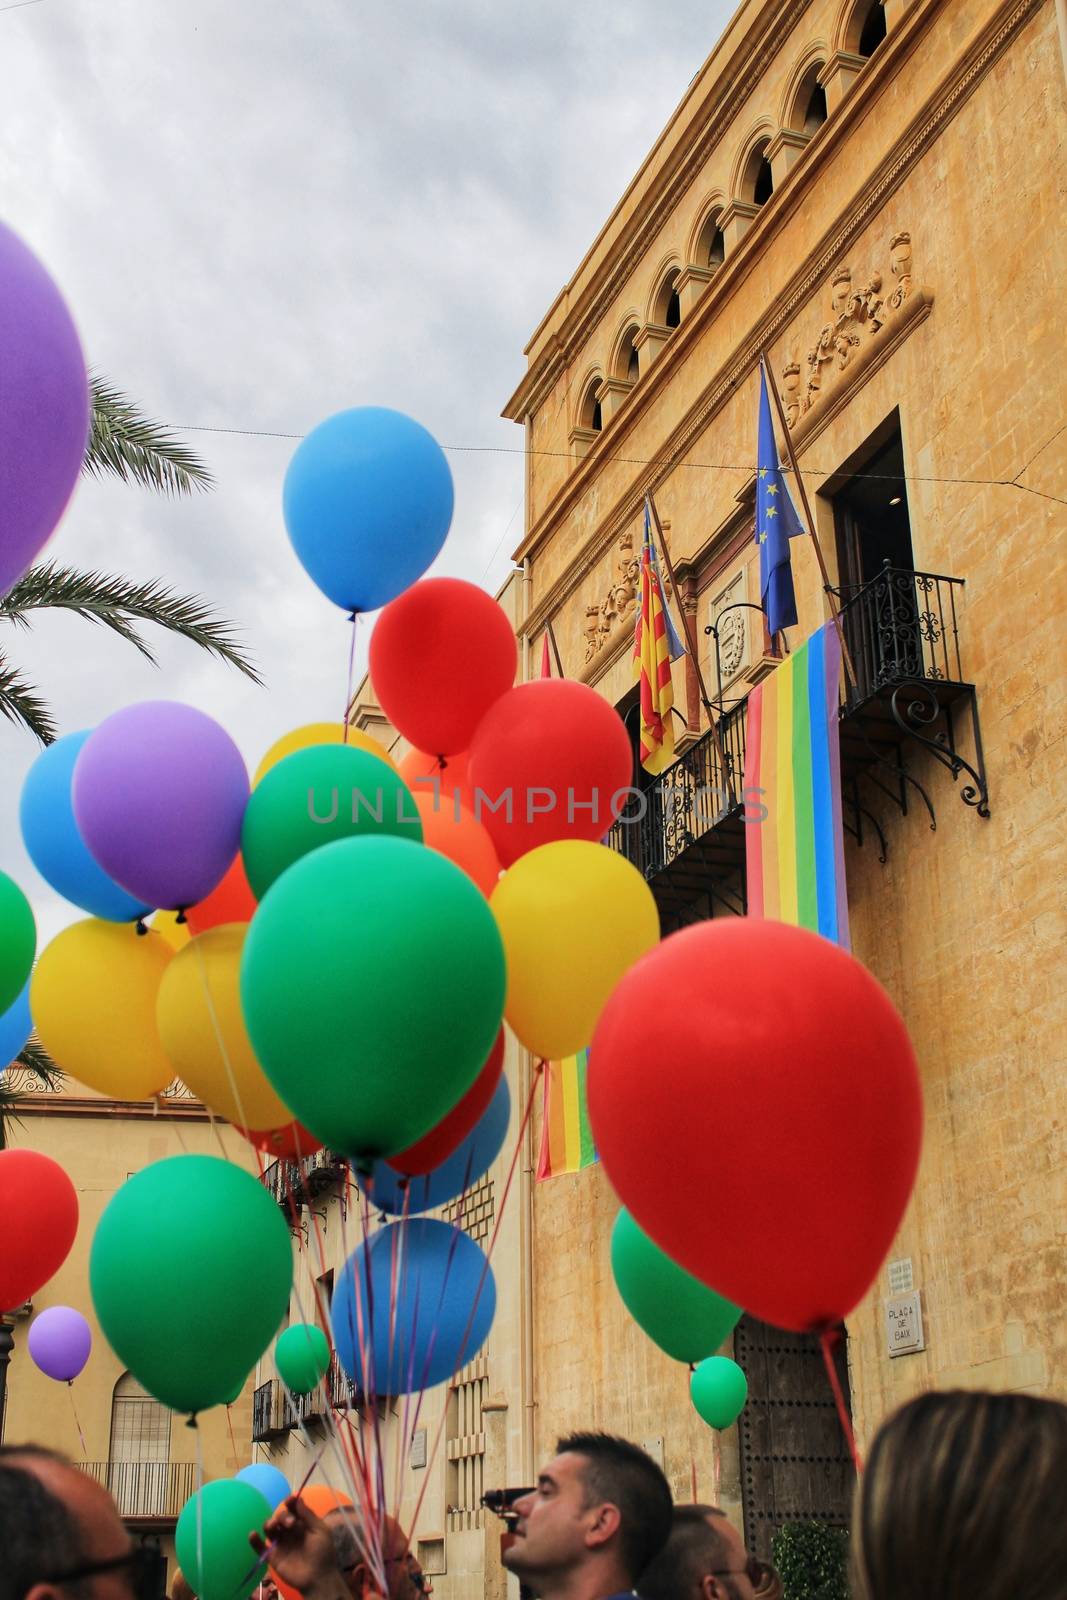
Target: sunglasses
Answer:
pixel 146 1565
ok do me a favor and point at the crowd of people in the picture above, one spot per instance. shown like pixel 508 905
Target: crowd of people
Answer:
pixel 963 1495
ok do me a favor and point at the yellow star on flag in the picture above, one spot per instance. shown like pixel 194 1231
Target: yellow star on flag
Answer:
pixel 771 512
pixel 772 488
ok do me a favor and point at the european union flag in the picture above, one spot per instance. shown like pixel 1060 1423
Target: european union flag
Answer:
pixel 776 523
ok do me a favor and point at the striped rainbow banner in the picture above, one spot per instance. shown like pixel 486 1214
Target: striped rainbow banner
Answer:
pixel 795 858
pixel 566 1137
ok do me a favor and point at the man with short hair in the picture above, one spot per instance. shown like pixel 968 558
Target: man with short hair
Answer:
pixel 599 1514
pixel 61 1537
pixel 704 1559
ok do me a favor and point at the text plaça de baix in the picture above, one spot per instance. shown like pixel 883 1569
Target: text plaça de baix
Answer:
pixel 625 806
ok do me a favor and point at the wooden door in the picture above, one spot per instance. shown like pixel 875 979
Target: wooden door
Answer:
pixel 795 1464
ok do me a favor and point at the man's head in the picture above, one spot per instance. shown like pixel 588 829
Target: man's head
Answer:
pixel 704 1559
pixel 404 1577
pixel 56 1521
pixel 600 1503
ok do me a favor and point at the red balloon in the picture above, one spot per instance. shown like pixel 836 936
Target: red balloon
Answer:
pixel 230 901
pixel 767 1134
pixel 437 776
pixel 440 655
pixel 554 760
pixel 293 1141
pixel 437 1145
pixel 40 1218
pixel 449 828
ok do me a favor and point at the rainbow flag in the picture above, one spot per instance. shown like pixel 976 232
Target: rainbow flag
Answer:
pixel 795 858
pixel 656 645
pixel 566 1137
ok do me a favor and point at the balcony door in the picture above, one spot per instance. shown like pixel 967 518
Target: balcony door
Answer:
pixel 138 1473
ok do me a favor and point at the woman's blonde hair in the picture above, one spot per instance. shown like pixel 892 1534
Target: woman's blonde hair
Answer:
pixel 964 1494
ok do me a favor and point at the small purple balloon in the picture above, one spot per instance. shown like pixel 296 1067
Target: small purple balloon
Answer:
pixel 44 407
pixel 159 793
pixel 59 1342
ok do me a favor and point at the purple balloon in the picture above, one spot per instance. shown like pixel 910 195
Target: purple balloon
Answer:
pixel 159 794
pixel 44 407
pixel 59 1342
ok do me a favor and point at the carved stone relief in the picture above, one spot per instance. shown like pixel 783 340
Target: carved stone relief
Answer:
pixel 732 622
pixel 619 600
pixel 856 316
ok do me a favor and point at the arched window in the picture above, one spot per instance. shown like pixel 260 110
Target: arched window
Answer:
pixel 868 28
pixel 139 1455
pixel 589 413
pixel 667 311
pixel 711 243
pixel 808 112
pixel 757 182
pixel 626 363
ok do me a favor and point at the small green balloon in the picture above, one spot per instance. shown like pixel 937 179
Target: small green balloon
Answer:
pixel 190 1271
pixel 719 1390
pixel 302 1356
pixel 372 983
pixel 679 1313
pixel 211 1539
pixel 315 797
pixel 18 941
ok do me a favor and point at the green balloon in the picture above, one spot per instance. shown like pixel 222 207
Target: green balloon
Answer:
pixel 678 1312
pixel 211 1539
pixel 302 1356
pixel 18 941
pixel 190 1272
pixel 372 983
pixel 315 797
pixel 719 1389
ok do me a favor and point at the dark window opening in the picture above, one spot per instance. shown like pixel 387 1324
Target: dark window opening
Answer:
pixel 873 31
pixel 633 366
pixel 871 515
pixel 815 115
pixel 764 184
pixel 591 416
pixel 673 314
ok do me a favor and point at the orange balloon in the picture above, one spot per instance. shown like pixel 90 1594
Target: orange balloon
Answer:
pixel 453 831
pixel 230 901
pixel 425 774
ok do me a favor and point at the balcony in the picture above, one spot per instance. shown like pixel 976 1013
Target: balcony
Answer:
pixel 274 1412
pixel 295 1184
pixel 686 832
pixel 145 1491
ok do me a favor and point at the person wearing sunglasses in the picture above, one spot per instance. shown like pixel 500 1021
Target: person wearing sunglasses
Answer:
pixel 705 1559
pixel 61 1537
pixel 324 1559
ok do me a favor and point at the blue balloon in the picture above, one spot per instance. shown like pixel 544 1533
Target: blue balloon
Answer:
pixel 272 1484
pixel 16 1025
pixel 445 1300
pixel 367 500
pixel 55 846
pixel 469 1161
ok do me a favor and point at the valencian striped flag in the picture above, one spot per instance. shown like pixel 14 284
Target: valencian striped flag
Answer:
pixel 795 857
pixel 566 1137
pixel 656 645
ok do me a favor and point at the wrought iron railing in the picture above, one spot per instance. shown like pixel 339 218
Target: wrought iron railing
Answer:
pixel 690 796
pixel 274 1411
pixel 296 1183
pixel 901 627
pixel 156 1489
pixel 270 1410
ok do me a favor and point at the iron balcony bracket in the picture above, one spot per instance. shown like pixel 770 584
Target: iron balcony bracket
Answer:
pixel 914 706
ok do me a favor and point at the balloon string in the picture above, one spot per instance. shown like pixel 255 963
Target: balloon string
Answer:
pixel 829 1339
pixel 481 1282
pixel 716 1470
pixel 209 1000
pixel 77 1423
pixel 353 619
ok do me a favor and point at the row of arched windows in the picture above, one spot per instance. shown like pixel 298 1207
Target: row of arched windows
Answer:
pixel 752 185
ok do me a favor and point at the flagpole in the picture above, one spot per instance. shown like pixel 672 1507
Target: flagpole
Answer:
pixel 846 655
pixel 555 647
pixel 691 642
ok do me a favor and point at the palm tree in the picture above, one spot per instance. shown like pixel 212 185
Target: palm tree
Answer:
pixel 126 445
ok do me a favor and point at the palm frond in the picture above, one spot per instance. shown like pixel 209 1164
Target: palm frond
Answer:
pixel 119 603
pixel 20 702
pixel 125 444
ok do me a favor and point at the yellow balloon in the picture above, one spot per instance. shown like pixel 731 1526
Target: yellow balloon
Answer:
pixel 203 1031
pixel 574 917
pixel 93 1001
pixel 166 924
pixel 320 733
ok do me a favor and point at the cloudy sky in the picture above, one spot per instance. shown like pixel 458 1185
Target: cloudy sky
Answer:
pixel 261 213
